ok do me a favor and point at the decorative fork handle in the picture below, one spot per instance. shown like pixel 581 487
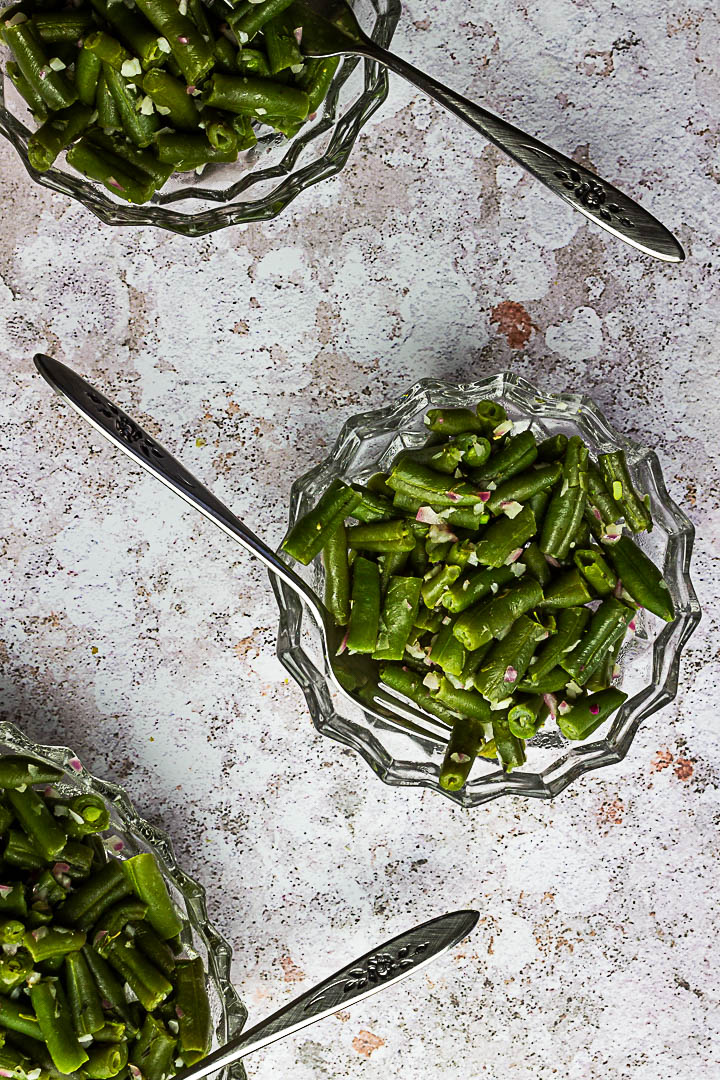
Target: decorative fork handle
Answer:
pixel 127 435
pixel 382 967
pixel 584 191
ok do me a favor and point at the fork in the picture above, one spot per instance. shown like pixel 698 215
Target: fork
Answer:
pixel 127 435
pixel 333 30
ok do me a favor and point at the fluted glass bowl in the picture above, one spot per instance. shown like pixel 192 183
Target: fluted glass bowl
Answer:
pixel 263 180
pixel 137 835
pixel 649 661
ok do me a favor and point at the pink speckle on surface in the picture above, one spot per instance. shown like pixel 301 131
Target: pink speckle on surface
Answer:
pixel 75 764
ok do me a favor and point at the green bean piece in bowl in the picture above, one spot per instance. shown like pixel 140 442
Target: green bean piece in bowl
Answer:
pixel 514 567
pixel 109 966
pixel 186 114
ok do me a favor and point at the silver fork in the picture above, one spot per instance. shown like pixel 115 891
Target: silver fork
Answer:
pixel 129 437
pixel 333 30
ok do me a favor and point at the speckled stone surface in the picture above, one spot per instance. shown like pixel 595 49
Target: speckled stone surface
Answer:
pixel 138 634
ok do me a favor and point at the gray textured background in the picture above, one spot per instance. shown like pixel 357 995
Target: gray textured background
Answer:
pixel 138 634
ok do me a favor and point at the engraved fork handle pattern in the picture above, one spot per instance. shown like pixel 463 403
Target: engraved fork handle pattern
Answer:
pixel 381 967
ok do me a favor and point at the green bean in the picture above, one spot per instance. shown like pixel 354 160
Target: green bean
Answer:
pixel 255 97
pixel 90 900
pixel 58 131
pixel 538 504
pixel 447 652
pixel 87 72
pixel 570 627
pixel 133 29
pixel 143 874
pixel 145 980
pixel 525 716
pixel 18 772
pixel 61 27
pixel 108 115
pixel 466 738
pixel 55 1021
pixel 170 94
pixel 475 587
pixel 587 714
pixel 243 128
pixel 37 821
pixel 635 508
pixel 467 703
pixel 83 997
pixel 106 1060
pixel 365 606
pixel 391 563
pixel 337 575
pixel 110 988
pixel 48 941
pixel 504 537
pixel 608 623
pixel 372 506
pixel 254 62
pixel 556 679
pixel 190 50
pixel 507 661
pixel 144 161
pixel 601 503
pixel 517 455
pixel 510 749
pixel 453 421
pixel 553 448
pixel 311 531
pixel 380 536
pixel 281 44
pixel 536 563
pixel 153 1051
pixel 397 618
pixel 20 851
pixel 111 171
pixel 159 952
pixel 596 571
pixel 111 1032
pixel 186 151
pixel 431 487
pixel 409 683
pixel 14 970
pixel 29 94
pixel 437 582
pixel 111 52
pixel 640 578
pixel 193 1010
pixel 566 590
pixel 494 617
pixel 491 415
pixel 19 1017
pixel 12 900
pixel 52 86
pixel 114 920
pixel 139 128
pixel 248 19
pixel 521 487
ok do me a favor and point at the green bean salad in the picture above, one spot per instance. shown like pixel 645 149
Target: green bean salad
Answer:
pixel 135 90
pixel 92 977
pixel 491 579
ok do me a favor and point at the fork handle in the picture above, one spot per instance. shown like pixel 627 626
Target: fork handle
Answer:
pixel 592 196
pixel 127 435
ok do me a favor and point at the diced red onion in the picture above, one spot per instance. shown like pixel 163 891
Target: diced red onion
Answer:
pixel 618 588
pixel 513 556
pixel 343 644
pixel 183 40
pixel 453 496
pixel 484 495
pixel 551 702
pixel 510 674
pixel 594 709
pixel 427 516
pixel 552 560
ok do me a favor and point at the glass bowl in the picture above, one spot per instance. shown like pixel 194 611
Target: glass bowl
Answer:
pixel 137 835
pixel 263 180
pixel 649 662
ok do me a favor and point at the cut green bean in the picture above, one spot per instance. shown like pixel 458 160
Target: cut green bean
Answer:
pixel 311 532
pixel 465 741
pixel 640 578
pixel 55 1021
pixel 337 575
